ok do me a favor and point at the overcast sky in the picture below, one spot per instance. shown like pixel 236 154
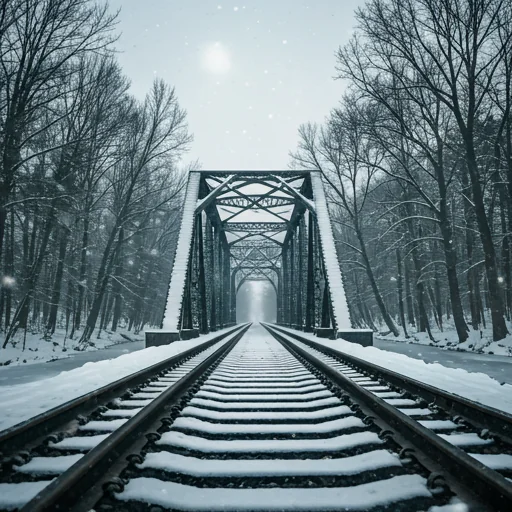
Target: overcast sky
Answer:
pixel 248 73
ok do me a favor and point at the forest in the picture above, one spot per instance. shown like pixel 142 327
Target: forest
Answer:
pixel 90 177
pixel 418 156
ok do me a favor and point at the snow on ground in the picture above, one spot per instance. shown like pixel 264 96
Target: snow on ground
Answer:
pixel 478 341
pixel 497 367
pixel 38 350
pixel 478 387
pixel 23 401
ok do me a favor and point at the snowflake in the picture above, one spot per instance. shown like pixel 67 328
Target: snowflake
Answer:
pixel 235 8
pixel 285 41
pixel 8 281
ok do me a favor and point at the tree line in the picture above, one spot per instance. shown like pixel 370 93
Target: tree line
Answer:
pixel 90 185
pixel 418 159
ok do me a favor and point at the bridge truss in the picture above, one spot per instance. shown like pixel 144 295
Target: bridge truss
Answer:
pixel 255 225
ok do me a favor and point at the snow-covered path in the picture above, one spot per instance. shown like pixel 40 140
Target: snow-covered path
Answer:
pixel 21 374
pixel 497 367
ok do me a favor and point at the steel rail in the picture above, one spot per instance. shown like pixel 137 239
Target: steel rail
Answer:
pixel 487 484
pixel 66 492
pixel 482 416
pixel 30 432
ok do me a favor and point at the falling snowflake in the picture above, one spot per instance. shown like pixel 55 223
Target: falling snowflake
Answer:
pixel 270 116
pixel 285 41
pixel 8 281
pixel 235 8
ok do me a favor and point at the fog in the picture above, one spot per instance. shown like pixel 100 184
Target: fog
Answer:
pixel 256 302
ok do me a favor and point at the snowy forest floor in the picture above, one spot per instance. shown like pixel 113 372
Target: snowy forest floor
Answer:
pixel 478 341
pixel 39 350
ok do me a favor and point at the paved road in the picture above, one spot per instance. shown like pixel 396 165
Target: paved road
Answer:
pixel 497 367
pixel 37 371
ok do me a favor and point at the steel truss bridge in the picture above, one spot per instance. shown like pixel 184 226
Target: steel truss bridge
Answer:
pixel 254 225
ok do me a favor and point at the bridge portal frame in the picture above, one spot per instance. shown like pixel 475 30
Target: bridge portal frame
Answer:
pixel 220 247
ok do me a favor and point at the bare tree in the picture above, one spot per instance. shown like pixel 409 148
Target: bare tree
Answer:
pixel 155 138
pixel 454 50
pixel 348 163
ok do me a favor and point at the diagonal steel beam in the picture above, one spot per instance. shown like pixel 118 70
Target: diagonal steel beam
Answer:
pixel 203 203
pixel 304 200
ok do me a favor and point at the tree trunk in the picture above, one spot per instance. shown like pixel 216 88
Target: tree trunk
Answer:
pixel 83 272
pixel 450 256
pixel 102 280
pixel 408 294
pixel 399 289
pixel 499 328
pixel 116 285
pixel 373 283
pixel 54 307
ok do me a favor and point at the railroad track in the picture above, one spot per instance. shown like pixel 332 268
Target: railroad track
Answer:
pixel 265 422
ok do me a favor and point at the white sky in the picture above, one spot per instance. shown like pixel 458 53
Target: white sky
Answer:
pixel 248 73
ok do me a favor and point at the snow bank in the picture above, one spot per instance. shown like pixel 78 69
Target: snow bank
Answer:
pixel 478 341
pixel 21 402
pixel 38 350
pixel 478 387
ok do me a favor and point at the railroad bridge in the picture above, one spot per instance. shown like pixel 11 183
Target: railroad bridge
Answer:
pixel 255 225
